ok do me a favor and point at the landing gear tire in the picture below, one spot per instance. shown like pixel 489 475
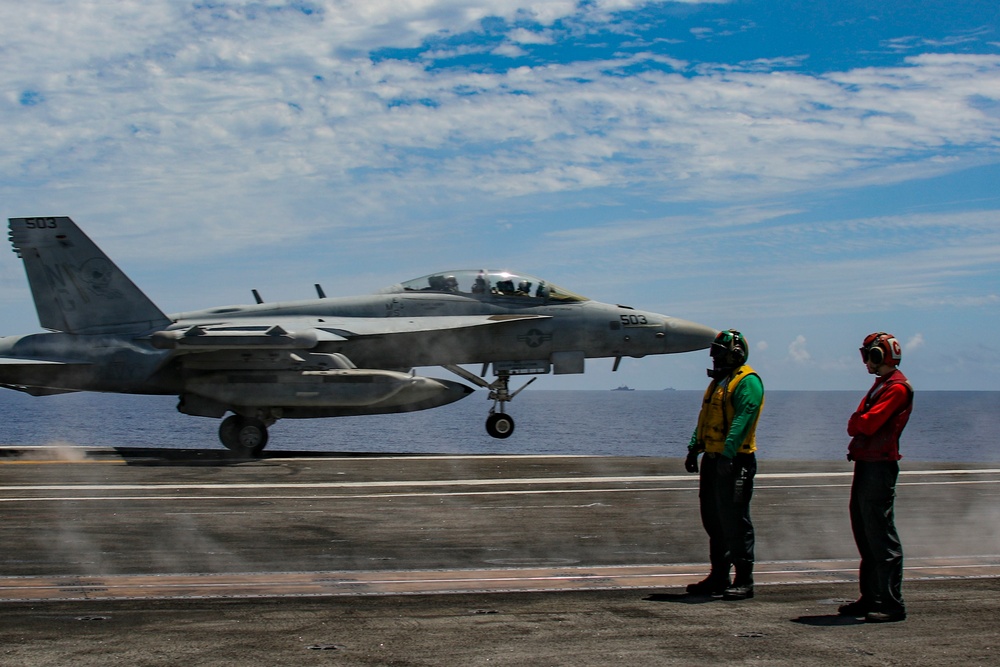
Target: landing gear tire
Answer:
pixel 243 435
pixel 500 425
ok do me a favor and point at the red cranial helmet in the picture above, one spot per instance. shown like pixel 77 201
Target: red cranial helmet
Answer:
pixel 881 348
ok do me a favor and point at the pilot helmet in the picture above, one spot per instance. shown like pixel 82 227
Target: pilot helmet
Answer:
pixel 881 348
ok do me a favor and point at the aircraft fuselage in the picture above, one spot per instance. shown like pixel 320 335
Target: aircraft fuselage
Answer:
pixel 587 328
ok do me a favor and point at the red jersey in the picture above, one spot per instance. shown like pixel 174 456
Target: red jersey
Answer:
pixel 879 420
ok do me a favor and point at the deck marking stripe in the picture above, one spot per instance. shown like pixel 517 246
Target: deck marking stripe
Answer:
pixel 454 482
pixel 443 494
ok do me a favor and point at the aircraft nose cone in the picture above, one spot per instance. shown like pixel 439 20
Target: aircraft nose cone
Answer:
pixel 686 336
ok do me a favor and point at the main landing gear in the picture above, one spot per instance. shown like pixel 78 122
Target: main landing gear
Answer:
pixel 243 435
pixel 499 424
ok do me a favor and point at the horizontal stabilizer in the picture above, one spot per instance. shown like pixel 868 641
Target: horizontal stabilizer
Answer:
pixel 37 391
pixel 38 377
pixel 14 361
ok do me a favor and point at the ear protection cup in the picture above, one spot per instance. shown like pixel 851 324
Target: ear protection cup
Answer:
pixel 875 354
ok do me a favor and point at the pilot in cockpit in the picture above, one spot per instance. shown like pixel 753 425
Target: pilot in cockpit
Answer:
pixel 479 287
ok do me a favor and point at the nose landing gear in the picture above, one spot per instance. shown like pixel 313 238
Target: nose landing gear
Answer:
pixel 243 435
pixel 499 424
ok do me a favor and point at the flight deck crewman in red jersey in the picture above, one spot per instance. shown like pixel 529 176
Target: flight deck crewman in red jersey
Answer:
pixel 875 428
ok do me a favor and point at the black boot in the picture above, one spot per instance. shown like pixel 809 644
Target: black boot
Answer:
pixel 742 588
pixel 738 591
pixel 713 584
pixel 858 608
pixel 882 614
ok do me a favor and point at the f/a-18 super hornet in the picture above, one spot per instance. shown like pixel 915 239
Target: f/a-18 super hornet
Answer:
pixel 322 357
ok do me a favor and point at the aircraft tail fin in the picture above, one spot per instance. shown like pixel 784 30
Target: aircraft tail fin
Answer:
pixel 76 288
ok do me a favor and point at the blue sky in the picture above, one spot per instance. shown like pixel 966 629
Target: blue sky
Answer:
pixel 806 174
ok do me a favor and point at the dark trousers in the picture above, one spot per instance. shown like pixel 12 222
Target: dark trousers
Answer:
pixel 873 493
pixel 726 519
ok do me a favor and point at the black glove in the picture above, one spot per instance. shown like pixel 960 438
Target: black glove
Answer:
pixel 691 462
pixel 724 465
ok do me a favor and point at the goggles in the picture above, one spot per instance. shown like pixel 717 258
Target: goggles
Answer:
pixel 871 344
pixel 876 354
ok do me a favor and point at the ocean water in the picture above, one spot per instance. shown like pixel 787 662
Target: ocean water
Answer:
pixel 803 425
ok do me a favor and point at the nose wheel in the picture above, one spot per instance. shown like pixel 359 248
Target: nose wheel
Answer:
pixel 499 424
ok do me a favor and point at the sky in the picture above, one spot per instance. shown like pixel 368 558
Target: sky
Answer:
pixel 806 173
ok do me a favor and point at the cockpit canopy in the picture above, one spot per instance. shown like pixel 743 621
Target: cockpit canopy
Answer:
pixel 485 282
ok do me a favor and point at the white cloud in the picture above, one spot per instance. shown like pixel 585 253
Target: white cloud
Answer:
pixel 522 36
pixel 713 125
pixel 508 50
pixel 915 342
pixel 797 350
pixel 241 95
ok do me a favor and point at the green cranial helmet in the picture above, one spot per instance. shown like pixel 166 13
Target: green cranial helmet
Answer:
pixel 730 349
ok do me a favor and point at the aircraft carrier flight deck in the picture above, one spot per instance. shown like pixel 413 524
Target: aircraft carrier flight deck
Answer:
pixel 153 556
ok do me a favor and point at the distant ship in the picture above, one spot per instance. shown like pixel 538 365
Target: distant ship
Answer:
pixel 623 388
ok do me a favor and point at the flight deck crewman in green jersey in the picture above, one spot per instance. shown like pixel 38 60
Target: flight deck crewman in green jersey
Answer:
pixel 726 432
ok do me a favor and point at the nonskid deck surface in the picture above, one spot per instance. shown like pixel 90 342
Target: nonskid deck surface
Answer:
pixel 115 523
pixel 437 582
pixel 162 558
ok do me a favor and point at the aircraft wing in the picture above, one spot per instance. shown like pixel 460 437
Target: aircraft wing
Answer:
pixel 303 335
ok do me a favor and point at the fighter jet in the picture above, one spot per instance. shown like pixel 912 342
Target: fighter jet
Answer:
pixel 322 357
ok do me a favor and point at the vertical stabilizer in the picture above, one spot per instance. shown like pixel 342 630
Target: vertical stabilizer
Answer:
pixel 76 288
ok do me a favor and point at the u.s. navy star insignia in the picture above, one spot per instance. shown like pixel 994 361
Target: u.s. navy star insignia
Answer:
pixel 534 338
